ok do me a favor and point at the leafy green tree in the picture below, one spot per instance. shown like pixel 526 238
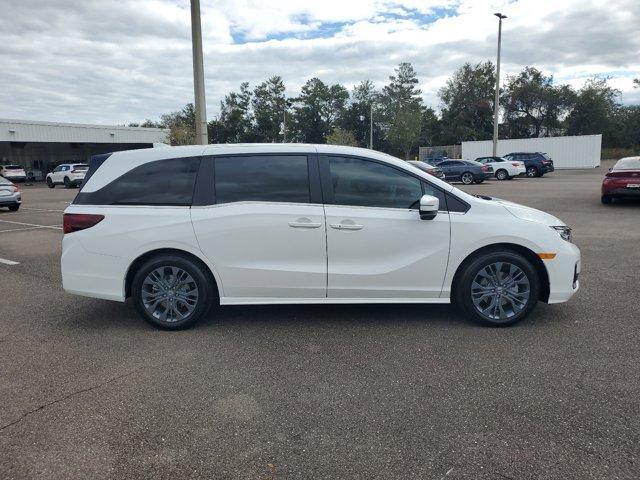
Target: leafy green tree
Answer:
pixel 431 131
pixel 317 109
pixel 404 131
pixel 356 117
pixel 534 105
pixel 181 125
pixel 467 103
pixel 269 105
pixel 340 136
pixel 236 117
pixel 594 108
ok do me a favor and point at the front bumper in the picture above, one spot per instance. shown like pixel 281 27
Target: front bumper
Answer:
pixel 564 271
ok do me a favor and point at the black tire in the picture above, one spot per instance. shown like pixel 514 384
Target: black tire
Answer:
pixel 606 199
pixel 199 277
pixel 533 172
pixel 510 178
pixel 67 182
pixel 502 174
pixel 465 278
pixel 14 207
pixel 50 183
pixel 467 178
pixel 479 180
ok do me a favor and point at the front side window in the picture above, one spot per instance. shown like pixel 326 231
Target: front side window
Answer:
pixel 365 183
pixel 265 178
pixel 163 182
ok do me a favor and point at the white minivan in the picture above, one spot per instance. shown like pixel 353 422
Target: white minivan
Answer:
pixel 177 229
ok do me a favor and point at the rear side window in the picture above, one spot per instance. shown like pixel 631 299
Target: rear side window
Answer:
pixel 265 178
pixel 370 184
pixel 164 182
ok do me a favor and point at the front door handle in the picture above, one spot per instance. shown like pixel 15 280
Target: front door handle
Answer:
pixel 346 225
pixel 304 222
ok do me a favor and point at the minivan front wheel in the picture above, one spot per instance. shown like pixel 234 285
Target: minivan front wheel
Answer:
pixel 498 289
pixel 171 292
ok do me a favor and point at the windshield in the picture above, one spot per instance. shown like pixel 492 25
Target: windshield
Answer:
pixel 13 167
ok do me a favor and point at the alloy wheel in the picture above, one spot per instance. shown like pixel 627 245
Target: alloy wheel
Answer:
pixel 467 178
pixel 532 172
pixel 501 175
pixel 169 294
pixel 500 291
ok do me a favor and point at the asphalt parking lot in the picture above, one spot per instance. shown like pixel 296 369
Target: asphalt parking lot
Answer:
pixel 89 390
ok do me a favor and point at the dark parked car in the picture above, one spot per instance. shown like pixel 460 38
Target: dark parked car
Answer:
pixel 465 171
pixel 537 163
pixel 430 169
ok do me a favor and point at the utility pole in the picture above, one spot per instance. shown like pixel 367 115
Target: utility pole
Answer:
pixel 371 126
pixel 496 105
pixel 202 137
pixel 284 125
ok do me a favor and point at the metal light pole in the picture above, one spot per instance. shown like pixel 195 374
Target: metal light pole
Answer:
pixel 202 137
pixel 496 105
pixel 371 126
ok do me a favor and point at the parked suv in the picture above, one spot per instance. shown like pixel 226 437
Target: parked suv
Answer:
pixel 537 163
pixel 504 169
pixel 177 229
pixel 15 173
pixel 67 174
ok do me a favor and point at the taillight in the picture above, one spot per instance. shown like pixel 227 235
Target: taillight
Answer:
pixel 73 222
pixel 515 164
pixel 484 168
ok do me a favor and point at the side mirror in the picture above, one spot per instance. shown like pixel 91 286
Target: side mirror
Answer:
pixel 429 207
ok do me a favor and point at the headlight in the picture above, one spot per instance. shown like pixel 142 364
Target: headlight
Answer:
pixel 564 231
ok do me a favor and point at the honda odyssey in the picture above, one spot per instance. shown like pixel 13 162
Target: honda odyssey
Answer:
pixel 177 229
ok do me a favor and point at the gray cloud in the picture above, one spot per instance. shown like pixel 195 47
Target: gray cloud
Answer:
pixel 115 62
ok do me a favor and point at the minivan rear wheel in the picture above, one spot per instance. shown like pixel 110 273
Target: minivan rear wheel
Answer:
pixel 171 292
pixel 497 289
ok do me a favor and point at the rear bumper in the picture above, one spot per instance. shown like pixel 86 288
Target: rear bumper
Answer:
pixel 19 178
pixel 621 192
pixel 15 199
pixel 90 274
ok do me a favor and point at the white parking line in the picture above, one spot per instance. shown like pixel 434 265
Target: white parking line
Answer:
pixel 20 229
pixel 8 262
pixel 42 209
pixel 55 227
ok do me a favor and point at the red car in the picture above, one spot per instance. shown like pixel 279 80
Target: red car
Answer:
pixel 622 181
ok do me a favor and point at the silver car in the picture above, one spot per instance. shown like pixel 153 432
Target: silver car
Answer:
pixel 9 195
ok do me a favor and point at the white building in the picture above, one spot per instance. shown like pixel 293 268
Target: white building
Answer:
pixel 40 146
pixel 581 151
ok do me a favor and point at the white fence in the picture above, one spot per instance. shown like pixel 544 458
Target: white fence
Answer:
pixel 566 152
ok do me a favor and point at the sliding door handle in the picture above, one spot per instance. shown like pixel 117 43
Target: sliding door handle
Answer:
pixel 346 226
pixel 304 222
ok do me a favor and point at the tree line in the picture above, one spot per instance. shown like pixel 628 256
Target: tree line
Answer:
pixel 532 105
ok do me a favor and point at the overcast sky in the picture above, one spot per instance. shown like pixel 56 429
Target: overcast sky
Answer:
pixel 114 62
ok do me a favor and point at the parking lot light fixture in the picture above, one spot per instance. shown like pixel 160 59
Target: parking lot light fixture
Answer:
pixel 496 105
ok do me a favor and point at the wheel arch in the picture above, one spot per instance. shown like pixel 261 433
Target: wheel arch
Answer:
pixel 529 254
pixel 141 259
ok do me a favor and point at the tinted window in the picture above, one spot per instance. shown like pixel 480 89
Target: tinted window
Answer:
pixel 454 204
pixel 370 184
pixel 262 178
pixel 446 164
pixel 164 182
